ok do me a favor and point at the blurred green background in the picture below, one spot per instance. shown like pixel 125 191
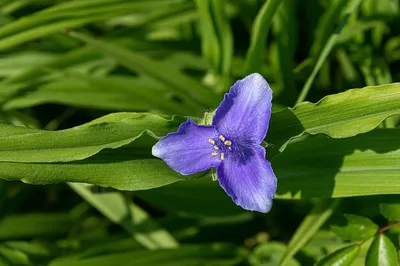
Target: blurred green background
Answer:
pixel 65 63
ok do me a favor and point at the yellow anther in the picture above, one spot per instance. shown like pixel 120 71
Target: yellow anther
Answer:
pixel 214 153
pixel 222 138
pixel 211 141
pixel 216 148
pixel 228 143
pixel 222 156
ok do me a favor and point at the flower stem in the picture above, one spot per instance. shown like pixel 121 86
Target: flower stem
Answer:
pixel 389 226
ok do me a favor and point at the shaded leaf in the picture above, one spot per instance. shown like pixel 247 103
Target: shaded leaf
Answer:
pixel 270 254
pixel 330 43
pixel 131 217
pixel 117 93
pixel 40 225
pixel 184 86
pixel 188 198
pixel 259 33
pixel 354 228
pixel 319 166
pixel 321 211
pixel 391 210
pixel 214 254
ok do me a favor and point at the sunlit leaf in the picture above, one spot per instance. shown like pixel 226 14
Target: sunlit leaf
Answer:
pixel 111 131
pixel 340 116
pixel 382 252
pixel 342 257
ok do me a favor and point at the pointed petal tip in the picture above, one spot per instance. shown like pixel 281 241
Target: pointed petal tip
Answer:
pixel 155 151
pixel 187 150
pixel 257 79
pixel 246 109
pixel 263 206
pixel 252 185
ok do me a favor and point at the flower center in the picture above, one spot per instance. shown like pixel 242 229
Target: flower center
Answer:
pixel 221 146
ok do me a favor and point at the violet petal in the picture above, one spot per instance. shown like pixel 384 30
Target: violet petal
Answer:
pixel 251 184
pixel 246 109
pixel 188 150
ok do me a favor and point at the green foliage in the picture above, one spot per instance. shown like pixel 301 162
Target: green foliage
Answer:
pixel 308 227
pixel 342 257
pixel 354 228
pixel 382 252
pixel 88 87
pixel 270 254
pixel 365 109
pixel 391 210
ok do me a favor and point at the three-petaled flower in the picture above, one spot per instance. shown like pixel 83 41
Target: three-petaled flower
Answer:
pixel 232 145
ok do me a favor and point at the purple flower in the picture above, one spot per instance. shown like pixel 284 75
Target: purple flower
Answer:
pixel 231 145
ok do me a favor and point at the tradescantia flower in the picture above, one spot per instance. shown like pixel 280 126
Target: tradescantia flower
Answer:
pixel 231 145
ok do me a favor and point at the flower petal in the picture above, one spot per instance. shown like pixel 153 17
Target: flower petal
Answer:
pixel 188 150
pixel 246 109
pixel 251 184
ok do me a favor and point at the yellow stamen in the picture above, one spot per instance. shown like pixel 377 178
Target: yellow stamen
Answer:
pixel 211 141
pixel 222 156
pixel 228 143
pixel 214 153
pixel 222 138
pixel 216 148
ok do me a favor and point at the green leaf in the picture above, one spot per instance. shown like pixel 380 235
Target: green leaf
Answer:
pixel 45 23
pixel 342 257
pixel 214 254
pixel 188 198
pixel 16 257
pixel 326 25
pixel 111 131
pixel 391 210
pixel 30 248
pixel 128 94
pixel 322 243
pixel 354 228
pixel 282 51
pixel 259 33
pixel 70 59
pixel 392 48
pixel 270 254
pixel 14 64
pixel 366 164
pixel 40 225
pixel 127 168
pixel 131 217
pixel 327 48
pixel 382 252
pixel 105 245
pixel 211 47
pixel 130 156
pixel 224 33
pixel 339 116
pixel 321 211
pixel 184 86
